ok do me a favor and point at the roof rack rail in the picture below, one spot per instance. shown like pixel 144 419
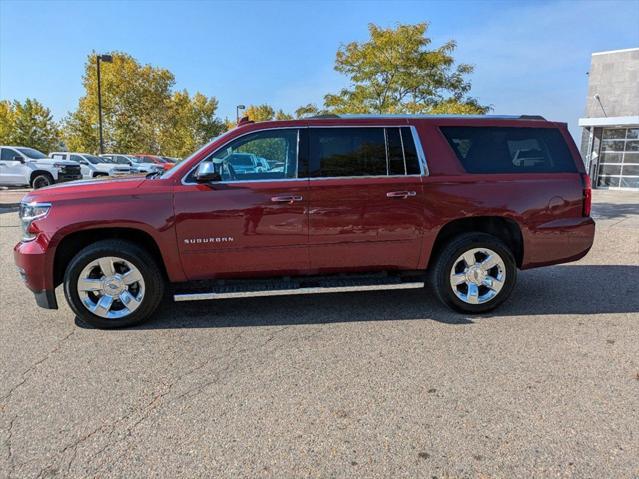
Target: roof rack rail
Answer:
pixel 532 117
pixel 323 115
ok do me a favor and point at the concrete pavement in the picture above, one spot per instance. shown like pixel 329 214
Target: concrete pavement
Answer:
pixel 379 384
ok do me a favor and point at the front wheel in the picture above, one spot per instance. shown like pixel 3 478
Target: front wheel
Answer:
pixel 41 180
pixel 113 283
pixel 475 273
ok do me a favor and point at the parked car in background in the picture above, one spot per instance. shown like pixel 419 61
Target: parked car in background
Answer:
pixel 93 166
pixel 158 160
pixel 137 165
pixel 362 203
pixel 244 163
pixel 22 166
pixel 170 159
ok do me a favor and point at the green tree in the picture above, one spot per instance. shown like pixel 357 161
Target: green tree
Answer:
pixel 135 101
pixel 396 71
pixel 6 121
pixel 28 124
pixel 190 123
pixel 281 115
pixel 140 111
pixel 260 112
pixel 307 110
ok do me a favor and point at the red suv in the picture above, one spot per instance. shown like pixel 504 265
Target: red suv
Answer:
pixel 327 204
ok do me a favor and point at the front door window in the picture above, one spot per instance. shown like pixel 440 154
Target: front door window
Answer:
pixel 266 155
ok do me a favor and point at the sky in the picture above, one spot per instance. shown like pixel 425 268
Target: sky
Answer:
pixel 530 57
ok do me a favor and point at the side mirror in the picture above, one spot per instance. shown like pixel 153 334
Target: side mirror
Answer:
pixel 206 173
pixel 18 158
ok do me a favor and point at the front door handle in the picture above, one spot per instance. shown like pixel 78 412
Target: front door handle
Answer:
pixel 400 194
pixel 286 199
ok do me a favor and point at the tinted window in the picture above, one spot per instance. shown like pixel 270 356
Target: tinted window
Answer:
pixel 77 158
pixel 396 165
pixel 264 155
pixel 510 149
pixel 8 155
pixel 347 152
pixel 95 160
pixel 59 156
pixel 31 153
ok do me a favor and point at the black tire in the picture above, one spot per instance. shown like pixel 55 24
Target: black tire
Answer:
pixel 140 258
pixel 41 180
pixel 440 272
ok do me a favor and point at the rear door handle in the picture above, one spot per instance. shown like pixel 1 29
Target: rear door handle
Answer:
pixel 286 199
pixel 400 194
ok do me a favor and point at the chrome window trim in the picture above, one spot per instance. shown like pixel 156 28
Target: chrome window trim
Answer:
pixel 298 128
pixel 401 140
pixel 421 157
pixel 423 165
pixel 379 177
pixel 386 152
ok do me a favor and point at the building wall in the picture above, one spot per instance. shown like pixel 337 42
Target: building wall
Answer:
pixel 614 77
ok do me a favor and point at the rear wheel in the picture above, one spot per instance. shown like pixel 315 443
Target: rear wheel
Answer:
pixel 112 284
pixel 475 273
pixel 41 180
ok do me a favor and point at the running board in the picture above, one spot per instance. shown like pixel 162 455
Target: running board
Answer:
pixel 294 291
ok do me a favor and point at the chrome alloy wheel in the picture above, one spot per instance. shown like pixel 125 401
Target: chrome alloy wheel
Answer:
pixel 478 275
pixel 111 287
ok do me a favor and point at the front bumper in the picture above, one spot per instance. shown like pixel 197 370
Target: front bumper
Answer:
pixel 31 260
pixel 65 178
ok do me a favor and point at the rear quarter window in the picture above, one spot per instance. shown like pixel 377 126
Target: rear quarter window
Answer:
pixel 510 149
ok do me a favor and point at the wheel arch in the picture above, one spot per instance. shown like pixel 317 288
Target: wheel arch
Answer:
pixel 70 244
pixel 506 229
pixel 35 173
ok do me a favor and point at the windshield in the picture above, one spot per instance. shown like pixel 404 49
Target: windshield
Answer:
pixel 31 153
pixel 134 159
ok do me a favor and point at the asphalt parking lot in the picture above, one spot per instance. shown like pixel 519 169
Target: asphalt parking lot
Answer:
pixel 379 384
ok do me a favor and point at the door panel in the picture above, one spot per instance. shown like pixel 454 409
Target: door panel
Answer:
pixel 238 229
pixel 354 224
pixel 11 172
pixel 366 203
pixel 253 222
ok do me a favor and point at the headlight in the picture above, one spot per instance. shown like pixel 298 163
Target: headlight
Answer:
pixel 29 212
pixel 59 165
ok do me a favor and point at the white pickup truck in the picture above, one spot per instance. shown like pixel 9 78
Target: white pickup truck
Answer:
pixel 93 166
pixel 22 166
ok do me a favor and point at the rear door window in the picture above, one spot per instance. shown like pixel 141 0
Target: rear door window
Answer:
pixel 339 152
pixel 362 151
pixel 510 149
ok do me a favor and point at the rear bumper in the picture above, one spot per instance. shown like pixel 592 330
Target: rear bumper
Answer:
pixel 46 299
pixel 31 261
pixel 559 241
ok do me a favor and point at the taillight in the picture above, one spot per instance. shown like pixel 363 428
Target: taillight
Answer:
pixel 587 194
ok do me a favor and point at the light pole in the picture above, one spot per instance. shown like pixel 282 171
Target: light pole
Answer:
pixel 237 112
pixel 108 59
